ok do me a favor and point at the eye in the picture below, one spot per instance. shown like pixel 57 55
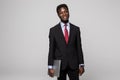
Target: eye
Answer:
pixel 66 11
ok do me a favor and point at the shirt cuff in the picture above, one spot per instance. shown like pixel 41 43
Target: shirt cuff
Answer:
pixel 50 67
pixel 81 65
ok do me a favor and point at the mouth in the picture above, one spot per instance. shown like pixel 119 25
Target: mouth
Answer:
pixel 65 17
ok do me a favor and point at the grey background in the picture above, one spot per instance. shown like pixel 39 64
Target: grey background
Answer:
pixel 24 28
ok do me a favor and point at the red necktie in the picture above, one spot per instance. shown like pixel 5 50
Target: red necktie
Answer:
pixel 66 34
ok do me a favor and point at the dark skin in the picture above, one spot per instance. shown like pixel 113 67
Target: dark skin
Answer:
pixel 63 14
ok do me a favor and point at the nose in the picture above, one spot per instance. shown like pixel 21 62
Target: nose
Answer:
pixel 64 13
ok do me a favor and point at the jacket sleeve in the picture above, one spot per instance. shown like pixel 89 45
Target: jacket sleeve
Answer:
pixel 51 48
pixel 79 47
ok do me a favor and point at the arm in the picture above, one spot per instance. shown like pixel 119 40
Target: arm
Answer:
pixel 79 47
pixel 51 53
pixel 51 48
pixel 80 53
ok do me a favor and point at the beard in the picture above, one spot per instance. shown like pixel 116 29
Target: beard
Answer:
pixel 64 21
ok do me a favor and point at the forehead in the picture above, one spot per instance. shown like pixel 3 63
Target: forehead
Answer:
pixel 62 9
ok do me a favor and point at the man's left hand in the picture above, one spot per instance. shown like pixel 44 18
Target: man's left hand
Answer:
pixel 81 70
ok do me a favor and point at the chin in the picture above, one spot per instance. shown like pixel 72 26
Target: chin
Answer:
pixel 65 21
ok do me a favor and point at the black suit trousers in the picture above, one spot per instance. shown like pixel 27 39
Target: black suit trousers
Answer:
pixel 73 74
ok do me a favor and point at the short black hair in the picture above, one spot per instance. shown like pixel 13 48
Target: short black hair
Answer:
pixel 60 6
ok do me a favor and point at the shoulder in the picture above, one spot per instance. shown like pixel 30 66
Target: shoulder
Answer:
pixel 74 26
pixel 55 27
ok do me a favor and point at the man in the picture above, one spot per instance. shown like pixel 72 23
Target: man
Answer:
pixel 65 45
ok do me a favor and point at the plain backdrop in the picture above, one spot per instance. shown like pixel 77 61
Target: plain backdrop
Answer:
pixel 24 43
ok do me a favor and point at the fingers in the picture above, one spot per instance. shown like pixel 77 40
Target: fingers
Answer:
pixel 81 71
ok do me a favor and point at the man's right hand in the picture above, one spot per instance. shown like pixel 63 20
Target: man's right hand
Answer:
pixel 51 72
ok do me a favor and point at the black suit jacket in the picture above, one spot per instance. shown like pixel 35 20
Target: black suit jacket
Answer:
pixel 70 54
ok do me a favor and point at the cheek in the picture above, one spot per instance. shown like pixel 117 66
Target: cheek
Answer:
pixel 61 16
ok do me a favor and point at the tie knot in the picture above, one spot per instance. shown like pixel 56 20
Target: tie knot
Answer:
pixel 65 25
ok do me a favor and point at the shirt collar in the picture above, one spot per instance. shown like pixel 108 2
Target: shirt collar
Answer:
pixel 63 24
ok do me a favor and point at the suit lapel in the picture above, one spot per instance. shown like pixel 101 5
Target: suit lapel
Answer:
pixel 70 34
pixel 61 33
